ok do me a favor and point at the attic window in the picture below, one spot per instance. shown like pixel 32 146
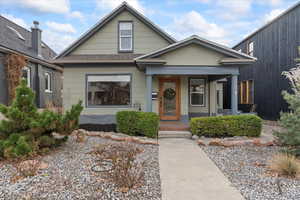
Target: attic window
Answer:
pixel 16 32
pixel 125 36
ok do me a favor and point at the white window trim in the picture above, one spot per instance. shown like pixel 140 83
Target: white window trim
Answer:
pixel 28 70
pixel 190 93
pixel 125 36
pixel 251 51
pixel 47 74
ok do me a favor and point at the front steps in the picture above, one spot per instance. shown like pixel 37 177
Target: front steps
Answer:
pixel 174 134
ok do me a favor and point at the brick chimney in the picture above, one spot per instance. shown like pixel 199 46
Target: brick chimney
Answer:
pixel 36 38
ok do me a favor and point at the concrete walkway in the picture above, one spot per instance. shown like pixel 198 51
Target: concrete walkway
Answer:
pixel 188 174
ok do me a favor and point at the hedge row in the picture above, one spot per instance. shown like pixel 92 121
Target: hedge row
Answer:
pixel 138 123
pixel 227 126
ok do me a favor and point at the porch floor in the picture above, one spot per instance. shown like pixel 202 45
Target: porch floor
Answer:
pixel 174 126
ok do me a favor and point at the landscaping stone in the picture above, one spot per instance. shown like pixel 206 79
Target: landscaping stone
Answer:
pixel 69 176
pixel 246 168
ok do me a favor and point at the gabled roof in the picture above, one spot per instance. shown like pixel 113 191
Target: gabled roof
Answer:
pixel 18 38
pixel 194 39
pixel 108 18
pixel 269 23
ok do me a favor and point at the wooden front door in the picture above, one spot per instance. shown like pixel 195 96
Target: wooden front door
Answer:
pixel 169 98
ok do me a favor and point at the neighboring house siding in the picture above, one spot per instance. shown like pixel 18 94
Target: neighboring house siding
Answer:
pixel 276 47
pixel 75 87
pixel 192 55
pixel 105 41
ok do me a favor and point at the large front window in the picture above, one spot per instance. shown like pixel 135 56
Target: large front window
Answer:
pixel 125 34
pixel 108 90
pixel 197 92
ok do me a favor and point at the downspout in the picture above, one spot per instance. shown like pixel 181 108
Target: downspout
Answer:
pixel 208 97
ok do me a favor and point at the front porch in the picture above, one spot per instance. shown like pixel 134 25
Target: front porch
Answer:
pixel 178 93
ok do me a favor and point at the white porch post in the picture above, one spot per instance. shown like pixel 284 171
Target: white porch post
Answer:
pixel 149 93
pixel 234 96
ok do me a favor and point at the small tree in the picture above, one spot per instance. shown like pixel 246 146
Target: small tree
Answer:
pixel 25 130
pixel 290 121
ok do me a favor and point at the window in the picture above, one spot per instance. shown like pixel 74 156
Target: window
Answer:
pixel 109 90
pixel 197 92
pixel 16 32
pixel 125 36
pixel 26 75
pixel 251 48
pixel 47 82
pixel 240 50
pixel 246 92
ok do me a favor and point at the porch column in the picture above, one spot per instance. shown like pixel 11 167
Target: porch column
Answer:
pixel 234 97
pixel 149 93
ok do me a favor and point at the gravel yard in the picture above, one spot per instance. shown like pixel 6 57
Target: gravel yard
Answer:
pixel 69 176
pixel 242 165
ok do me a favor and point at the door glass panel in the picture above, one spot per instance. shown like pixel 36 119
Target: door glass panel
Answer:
pixel 169 98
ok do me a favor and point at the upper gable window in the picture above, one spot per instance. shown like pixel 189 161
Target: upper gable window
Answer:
pixel 125 36
pixel 251 48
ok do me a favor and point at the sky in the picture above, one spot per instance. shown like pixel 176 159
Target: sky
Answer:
pixel 223 21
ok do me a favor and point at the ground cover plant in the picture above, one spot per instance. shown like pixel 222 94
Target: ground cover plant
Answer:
pixel 25 131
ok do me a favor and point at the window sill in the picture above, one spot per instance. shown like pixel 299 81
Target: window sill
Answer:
pixel 109 106
pixel 48 91
pixel 197 105
pixel 125 51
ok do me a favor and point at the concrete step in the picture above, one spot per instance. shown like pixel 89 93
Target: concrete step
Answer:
pixel 174 134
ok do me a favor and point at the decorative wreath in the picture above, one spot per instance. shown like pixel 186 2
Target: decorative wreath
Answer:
pixel 169 93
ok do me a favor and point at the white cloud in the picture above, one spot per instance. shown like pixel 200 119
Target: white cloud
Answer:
pixel 56 40
pixel 77 15
pixel 273 14
pixel 194 23
pixel 62 28
pixel 111 4
pixel 16 20
pixel 51 6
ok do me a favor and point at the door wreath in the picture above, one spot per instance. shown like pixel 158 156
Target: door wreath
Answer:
pixel 169 93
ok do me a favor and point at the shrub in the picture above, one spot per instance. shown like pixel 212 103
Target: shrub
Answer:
pixel 290 121
pixel 285 164
pixel 138 123
pixel 126 171
pixel 25 130
pixel 227 126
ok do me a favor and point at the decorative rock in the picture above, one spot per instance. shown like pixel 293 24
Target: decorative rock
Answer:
pixel 201 143
pixel 195 137
pixel 30 163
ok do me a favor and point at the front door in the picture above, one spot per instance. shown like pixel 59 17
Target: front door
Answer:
pixel 169 98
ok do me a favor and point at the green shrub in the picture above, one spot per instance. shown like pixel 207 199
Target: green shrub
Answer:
pixel 138 123
pixel 227 126
pixel 25 130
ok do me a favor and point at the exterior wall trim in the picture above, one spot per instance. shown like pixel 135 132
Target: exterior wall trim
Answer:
pixel 191 70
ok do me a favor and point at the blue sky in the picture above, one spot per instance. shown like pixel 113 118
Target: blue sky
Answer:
pixel 223 21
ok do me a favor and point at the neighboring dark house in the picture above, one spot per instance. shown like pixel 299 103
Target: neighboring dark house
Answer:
pixel 275 46
pixel 41 75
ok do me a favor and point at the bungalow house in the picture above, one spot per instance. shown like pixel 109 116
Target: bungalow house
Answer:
pixel 41 75
pixel 126 62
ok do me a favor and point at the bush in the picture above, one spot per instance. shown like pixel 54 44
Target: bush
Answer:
pixel 25 130
pixel 286 165
pixel 290 121
pixel 138 123
pixel 227 126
